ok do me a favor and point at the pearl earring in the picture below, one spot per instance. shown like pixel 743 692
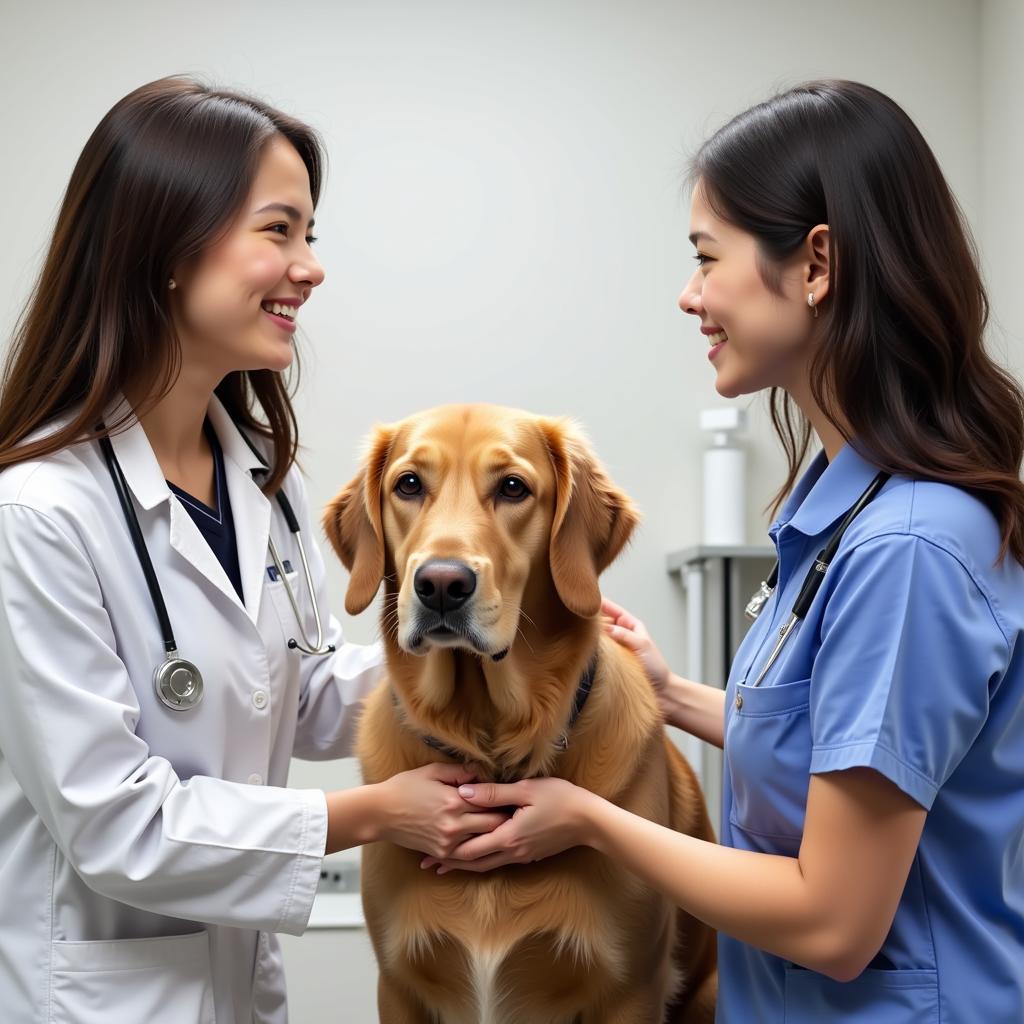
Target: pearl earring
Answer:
pixel 172 283
pixel 810 302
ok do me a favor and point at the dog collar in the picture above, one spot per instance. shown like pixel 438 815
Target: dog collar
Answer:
pixel 579 702
pixel 582 693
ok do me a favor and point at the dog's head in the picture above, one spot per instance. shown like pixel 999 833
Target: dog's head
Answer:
pixel 473 513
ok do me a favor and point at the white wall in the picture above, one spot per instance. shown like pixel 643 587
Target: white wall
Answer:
pixel 1002 148
pixel 503 218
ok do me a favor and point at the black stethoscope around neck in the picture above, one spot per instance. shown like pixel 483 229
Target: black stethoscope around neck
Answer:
pixel 178 682
pixel 812 581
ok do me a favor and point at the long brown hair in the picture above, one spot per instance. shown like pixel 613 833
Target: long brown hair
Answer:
pixel 902 356
pixel 160 180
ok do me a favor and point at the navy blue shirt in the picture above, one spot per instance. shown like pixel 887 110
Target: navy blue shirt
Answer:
pixel 215 524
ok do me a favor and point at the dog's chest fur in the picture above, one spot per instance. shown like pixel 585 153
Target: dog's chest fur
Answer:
pixel 536 942
pixel 493 935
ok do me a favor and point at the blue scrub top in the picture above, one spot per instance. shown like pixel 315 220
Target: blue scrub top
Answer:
pixel 909 662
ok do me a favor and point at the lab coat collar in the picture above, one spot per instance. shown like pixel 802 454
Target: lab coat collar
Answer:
pixel 231 441
pixel 135 455
pixel 139 463
pixel 249 506
pixel 826 491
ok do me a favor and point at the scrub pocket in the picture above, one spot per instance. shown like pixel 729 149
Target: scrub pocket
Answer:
pixel 768 748
pixel 874 997
pixel 160 981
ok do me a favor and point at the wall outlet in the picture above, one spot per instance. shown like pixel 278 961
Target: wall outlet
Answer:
pixel 339 877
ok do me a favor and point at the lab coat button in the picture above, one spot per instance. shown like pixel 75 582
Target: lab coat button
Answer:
pixel 259 700
pixel 255 779
pixel 739 701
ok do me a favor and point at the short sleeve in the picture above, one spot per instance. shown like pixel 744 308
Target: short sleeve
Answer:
pixel 909 651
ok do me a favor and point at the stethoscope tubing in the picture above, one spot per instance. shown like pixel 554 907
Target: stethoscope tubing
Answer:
pixel 815 575
pixel 293 525
pixel 138 541
pixel 179 683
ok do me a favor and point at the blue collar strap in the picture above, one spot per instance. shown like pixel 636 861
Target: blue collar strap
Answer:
pixel 579 702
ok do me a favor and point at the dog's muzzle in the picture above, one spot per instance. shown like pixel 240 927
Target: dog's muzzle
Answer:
pixel 443 613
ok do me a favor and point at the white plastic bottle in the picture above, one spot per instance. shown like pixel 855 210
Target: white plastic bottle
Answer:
pixel 725 491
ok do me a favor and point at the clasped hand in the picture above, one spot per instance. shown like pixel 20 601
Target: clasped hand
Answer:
pixel 549 817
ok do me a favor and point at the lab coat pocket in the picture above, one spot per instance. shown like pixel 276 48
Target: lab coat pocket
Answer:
pixel 160 981
pixel 768 747
pixel 283 604
pixel 873 997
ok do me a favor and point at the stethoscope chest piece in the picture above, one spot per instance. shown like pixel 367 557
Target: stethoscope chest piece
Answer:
pixel 179 684
pixel 760 598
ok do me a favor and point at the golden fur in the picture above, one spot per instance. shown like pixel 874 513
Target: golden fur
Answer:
pixel 573 939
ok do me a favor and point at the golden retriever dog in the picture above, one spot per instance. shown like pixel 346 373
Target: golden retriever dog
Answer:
pixel 489 528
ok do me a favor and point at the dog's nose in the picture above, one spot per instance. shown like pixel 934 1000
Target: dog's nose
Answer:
pixel 444 586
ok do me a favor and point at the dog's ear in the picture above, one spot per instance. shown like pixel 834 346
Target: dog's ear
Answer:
pixel 593 518
pixel 352 523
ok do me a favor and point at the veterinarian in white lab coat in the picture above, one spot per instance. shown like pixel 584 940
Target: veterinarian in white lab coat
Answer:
pixel 149 852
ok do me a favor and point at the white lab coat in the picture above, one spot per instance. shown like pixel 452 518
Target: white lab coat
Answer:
pixel 147 856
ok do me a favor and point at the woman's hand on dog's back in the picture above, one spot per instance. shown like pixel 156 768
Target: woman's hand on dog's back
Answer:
pixel 694 707
pixel 628 631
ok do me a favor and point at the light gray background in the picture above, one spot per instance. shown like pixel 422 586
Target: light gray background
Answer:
pixel 503 221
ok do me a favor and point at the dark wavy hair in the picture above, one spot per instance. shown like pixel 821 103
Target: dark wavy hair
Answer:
pixel 160 180
pixel 902 356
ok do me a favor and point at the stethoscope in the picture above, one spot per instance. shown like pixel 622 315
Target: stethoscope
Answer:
pixel 178 682
pixel 813 579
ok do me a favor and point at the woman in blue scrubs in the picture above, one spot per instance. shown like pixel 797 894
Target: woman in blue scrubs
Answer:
pixel 871 865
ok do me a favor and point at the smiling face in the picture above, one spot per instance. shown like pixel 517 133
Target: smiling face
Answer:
pixel 221 301
pixel 760 338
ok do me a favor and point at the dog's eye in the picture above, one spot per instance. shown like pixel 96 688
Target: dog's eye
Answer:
pixel 513 489
pixel 409 485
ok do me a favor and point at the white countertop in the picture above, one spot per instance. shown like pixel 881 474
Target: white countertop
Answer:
pixel 337 910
